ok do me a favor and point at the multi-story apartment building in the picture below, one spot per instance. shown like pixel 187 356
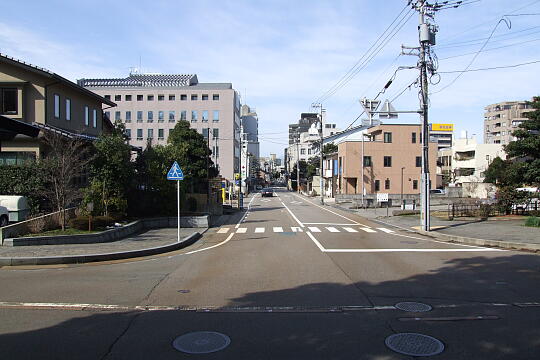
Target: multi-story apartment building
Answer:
pixel 470 160
pixel 442 134
pixel 303 125
pixel 35 98
pixel 150 105
pixel 501 119
pixel 250 126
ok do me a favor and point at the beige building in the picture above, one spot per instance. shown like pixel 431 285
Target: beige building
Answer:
pixel 501 119
pixel 391 156
pixel 35 98
pixel 150 105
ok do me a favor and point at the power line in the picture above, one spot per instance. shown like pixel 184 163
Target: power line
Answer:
pixel 480 40
pixel 491 49
pixel 490 68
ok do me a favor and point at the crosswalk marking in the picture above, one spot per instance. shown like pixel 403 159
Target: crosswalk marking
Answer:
pixel 314 229
pixel 388 231
pixel 296 229
pixel 241 230
pixel 367 230
pixel 278 229
pixel 332 229
pixel 259 230
pixel 349 229
pixel 223 230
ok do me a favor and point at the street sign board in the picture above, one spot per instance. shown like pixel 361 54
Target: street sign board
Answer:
pixel 175 173
pixel 382 197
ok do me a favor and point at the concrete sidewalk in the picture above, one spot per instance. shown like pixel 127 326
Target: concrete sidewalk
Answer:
pixel 147 243
pixel 506 232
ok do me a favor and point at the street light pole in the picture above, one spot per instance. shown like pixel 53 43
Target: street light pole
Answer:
pixel 402 168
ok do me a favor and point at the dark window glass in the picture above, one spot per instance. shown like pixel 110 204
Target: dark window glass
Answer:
pixel 415 184
pixel 108 97
pixel 413 138
pixel 205 132
pixel 205 96
pixel 128 97
pixel 387 137
pixel 367 160
pixel 387 161
pixel 150 97
pixel 387 184
pixel 8 101
pixel 215 97
pixel 216 133
pixel 194 97
pixel 183 97
pixel 418 161
pixel 377 185
pixel 140 97
pixel 117 97
pixel 161 97
pixel 172 97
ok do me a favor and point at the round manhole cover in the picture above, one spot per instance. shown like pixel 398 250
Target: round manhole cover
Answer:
pixel 413 344
pixel 413 307
pixel 201 342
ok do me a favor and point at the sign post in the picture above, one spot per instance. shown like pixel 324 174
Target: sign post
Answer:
pixel 175 173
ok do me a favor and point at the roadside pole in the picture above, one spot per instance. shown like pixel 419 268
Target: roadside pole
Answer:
pixel 175 173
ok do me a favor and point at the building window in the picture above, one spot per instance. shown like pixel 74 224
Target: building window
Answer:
pixel 215 97
pixel 387 184
pixel 107 114
pixel 139 116
pixel 128 134
pixel 309 151
pixel 9 101
pixel 161 97
pixel 194 97
pixel 216 116
pixel 68 109
pixel 415 184
pixel 108 97
pixel 94 117
pixel 57 106
pixel 387 137
pixel 128 98
pixel 205 132
pixel 117 116
pixel 367 161
pixel 128 116
pixel 150 97
pixel 161 116
pixel 413 138
pixel 86 116
pixel 172 97
pixel 183 115
pixel 117 97
pixel 150 117
pixel 183 97
pixel 215 133
pixel 171 116
pixel 205 116
pixel 139 134
pixel 140 97
pixel 387 161
pixel 205 97
pixel 377 185
pixel 194 115
pixel 418 161
pixel 150 133
pixel 302 151
pixel 161 134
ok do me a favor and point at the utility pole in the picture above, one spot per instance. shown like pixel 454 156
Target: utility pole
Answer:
pixel 298 163
pixel 321 179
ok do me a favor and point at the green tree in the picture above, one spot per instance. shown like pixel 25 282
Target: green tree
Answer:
pixel 112 174
pixel 329 149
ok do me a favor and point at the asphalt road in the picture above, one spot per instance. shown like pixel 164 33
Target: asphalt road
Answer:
pixel 287 279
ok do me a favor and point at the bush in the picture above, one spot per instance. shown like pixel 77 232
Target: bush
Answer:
pixel 98 222
pixel 532 221
pixel 192 204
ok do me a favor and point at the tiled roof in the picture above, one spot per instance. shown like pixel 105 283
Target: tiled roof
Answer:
pixel 143 80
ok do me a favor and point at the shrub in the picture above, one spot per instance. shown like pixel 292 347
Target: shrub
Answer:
pixel 192 204
pixel 98 222
pixel 532 221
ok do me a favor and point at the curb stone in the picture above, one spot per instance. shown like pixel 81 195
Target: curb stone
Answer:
pixel 81 259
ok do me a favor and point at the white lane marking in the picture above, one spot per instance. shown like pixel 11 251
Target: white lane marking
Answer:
pixel 332 229
pixel 296 202
pixel 213 246
pixel 349 229
pixel 367 230
pixel 314 229
pixel 247 211
pixel 296 229
pixel 335 224
pixel 223 231
pixel 402 250
pixel 315 241
pixel 290 212
pixel 333 212
pixel 241 231
pixel 446 243
pixel 388 231
pixel 259 230
pixel 278 229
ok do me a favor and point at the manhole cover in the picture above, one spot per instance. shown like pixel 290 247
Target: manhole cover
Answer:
pixel 184 291
pixel 409 242
pixel 413 307
pixel 201 342
pixel 413 344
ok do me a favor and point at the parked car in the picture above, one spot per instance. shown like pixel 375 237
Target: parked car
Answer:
pixel 267 192
pixel 436 191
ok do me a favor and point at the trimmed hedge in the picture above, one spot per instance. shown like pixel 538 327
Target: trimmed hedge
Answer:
pixel 532 221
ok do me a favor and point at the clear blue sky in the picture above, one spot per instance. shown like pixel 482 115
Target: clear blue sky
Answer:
pixel 282 55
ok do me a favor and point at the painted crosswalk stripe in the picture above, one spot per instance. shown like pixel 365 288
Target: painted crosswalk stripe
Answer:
pixel 332 229
pixel 259 230
pixel 296 229
pixel 223 231
pixel 241 230
pixel 349 229
pixel 278 229
pixel 314 229
pixel 386 230
pixel 367 230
